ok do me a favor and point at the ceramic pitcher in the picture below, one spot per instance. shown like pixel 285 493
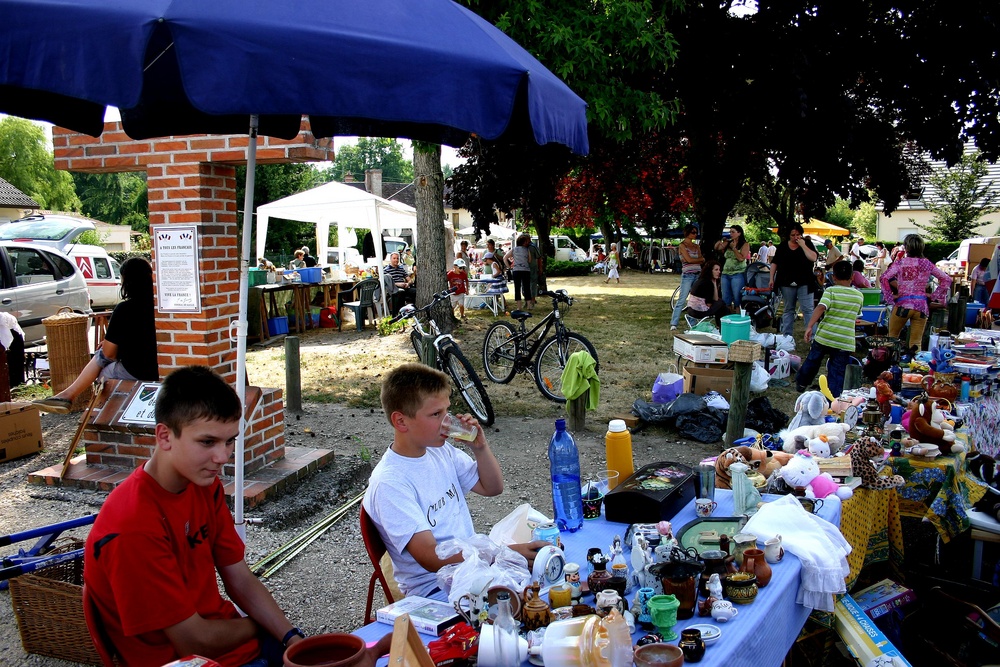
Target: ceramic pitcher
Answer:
pixel 773 552
pixel 755 563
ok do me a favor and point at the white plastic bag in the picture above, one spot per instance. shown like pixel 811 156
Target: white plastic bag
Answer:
pixel 759 377
pixel 515 528
pixel 483 559
pixel 716 400
pixel 786 343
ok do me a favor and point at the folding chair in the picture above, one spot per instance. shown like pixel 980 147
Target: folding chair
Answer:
pixel 376 549
pixel 102 642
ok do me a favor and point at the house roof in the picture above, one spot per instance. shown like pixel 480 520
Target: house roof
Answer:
pixel 930 196
pixel 404 193
pixel 11 196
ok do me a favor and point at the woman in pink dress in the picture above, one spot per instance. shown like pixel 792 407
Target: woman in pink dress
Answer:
pixel 904 287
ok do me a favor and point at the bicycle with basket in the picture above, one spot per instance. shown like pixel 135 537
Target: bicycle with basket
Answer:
pixel 509 350
pixel 447 356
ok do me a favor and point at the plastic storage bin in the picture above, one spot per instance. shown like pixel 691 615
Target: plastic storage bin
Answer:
pixel 311 275
pixel 257 277
pixel 876 314
pixel 277 326
pixel 735 327
pixel 872 296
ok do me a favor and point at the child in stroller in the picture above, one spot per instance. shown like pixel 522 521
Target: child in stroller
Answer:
pixel 758 301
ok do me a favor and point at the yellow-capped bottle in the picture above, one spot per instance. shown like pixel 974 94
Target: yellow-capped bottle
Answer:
pixel 618 448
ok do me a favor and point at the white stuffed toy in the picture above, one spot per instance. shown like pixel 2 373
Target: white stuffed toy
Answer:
pixel 802 472
pixel 819 446
pixel 835 433
pixel 810 409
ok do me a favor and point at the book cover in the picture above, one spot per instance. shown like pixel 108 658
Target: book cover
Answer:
pixel 428 616
pixel 881 598
pixel 863 638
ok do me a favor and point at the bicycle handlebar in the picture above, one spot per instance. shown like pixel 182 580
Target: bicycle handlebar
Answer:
pixel 407 313
pixel 558 295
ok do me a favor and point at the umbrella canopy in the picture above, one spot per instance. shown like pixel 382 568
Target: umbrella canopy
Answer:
pixel 820 228
pixel 428 70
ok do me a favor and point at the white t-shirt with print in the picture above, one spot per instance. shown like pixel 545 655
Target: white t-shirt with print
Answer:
pixel 406 496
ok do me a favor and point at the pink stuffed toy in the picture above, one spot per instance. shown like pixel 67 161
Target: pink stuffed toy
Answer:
pixel 802 472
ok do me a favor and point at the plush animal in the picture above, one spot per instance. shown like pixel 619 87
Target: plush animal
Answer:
pixel 927 425
pixel 985 468
pixel 941 360
pixel 762 460
pixel 835 433
pixel 810 409
pixel 819 446
pixel 862 453
pixel 802 472
pixel 840 405
pixel 883 392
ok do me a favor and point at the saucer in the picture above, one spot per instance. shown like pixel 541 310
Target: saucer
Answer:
pixel 709 633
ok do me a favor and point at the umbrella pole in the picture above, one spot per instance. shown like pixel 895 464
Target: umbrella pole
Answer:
pixel 241 329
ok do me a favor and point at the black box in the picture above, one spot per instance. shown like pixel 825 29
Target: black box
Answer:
pixel 653 493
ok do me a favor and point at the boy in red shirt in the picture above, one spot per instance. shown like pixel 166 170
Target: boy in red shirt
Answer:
pixel 458 280
pixel 151 558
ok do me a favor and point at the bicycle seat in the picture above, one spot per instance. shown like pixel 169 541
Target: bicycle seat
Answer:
pixel 520 315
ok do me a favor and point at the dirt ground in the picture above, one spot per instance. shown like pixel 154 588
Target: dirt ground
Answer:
pixel 323 589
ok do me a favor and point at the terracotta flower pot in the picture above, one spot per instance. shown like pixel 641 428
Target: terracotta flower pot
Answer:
pixel 336 649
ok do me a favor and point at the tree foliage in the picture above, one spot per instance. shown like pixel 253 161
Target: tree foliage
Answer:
pixel 27 164
pixel 119 199
pixel 371 153
pixel 964 197
pixel 272 182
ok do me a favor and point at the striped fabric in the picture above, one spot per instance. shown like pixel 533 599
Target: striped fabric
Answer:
pixel 836 330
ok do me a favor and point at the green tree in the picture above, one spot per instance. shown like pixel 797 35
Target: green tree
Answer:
pixel 371 153
pixel 27 164
pixel 866 220
pixel 964 197
pixel 840 214
pixel 115 198
pixel 272 182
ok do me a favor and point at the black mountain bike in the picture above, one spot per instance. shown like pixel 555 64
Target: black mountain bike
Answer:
pixel 448 357
pixel 508 351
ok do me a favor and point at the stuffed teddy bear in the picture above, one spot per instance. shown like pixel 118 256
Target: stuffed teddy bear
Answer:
pixel 810 409
pixel 819 446
pixel 802 472
pixel 927 425
pixel 835 433
pixel 763 460
pixel 862 453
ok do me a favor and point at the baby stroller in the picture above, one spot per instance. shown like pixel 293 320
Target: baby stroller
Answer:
pixel 759 301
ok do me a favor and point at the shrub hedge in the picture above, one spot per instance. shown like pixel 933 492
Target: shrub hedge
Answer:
pixel 555 268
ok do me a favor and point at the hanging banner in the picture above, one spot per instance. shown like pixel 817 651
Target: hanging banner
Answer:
pixel 178 282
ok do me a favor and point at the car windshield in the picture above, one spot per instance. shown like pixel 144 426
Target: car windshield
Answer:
pixel 43 230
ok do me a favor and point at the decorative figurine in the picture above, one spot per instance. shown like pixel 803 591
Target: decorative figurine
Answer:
pixel 571 572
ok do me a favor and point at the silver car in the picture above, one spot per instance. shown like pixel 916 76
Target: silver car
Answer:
pixel 36 282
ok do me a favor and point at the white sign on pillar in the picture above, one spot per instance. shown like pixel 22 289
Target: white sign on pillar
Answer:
pixel 178 288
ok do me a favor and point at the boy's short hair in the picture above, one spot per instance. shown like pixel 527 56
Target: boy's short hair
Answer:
pixel 192 393
pixel 843 270
pixel 406 387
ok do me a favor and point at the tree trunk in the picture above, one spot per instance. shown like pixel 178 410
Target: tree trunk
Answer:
pixel 431 257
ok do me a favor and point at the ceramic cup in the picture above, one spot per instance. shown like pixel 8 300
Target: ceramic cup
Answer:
pixel 704 507
pixel 723 610
pixel 459 430
pixel 560 595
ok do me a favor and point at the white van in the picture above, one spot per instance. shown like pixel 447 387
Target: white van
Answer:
pixel 102 274
pixel 958 260
pixel 566 250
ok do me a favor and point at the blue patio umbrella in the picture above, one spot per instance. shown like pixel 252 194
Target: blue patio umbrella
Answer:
pixel 428 70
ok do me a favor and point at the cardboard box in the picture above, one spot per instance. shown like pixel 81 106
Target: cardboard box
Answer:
pixel 703 380
pixel 701 348
pixel 20 430
pixel 863 638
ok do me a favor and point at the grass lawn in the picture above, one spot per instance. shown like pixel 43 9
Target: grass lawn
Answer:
pixel 628 323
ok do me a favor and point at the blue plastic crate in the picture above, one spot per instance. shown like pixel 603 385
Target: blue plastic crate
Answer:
pixel 277 326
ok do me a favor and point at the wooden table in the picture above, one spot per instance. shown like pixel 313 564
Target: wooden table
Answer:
pixel 269 306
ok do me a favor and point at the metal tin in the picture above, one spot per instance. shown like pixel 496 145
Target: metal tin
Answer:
pixel 547 531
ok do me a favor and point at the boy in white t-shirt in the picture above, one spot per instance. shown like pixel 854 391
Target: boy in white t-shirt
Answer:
pixel 416 494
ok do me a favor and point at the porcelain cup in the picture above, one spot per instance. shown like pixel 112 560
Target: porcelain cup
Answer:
pixel 723 610
pixel 704 507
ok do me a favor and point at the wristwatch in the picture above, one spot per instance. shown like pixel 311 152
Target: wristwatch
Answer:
pixel 291 633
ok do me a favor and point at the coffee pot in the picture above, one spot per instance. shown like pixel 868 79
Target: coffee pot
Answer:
pixel 679 577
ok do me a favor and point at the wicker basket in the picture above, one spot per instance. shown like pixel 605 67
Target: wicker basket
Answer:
pixel 69 350
pixel 744 351
pixel 48 606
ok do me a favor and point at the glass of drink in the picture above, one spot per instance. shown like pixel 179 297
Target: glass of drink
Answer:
pixel 459 430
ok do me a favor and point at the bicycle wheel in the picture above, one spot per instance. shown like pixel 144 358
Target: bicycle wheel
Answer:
pixel 417 347
pixel 551 361
pixel 675 297
pixel 468 384
pixel 499 352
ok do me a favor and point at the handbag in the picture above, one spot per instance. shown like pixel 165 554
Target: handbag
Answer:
pixel 668 385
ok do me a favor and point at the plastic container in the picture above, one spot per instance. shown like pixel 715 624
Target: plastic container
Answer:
pixel 972 311
pixel 618 449
pixel 735 327
pixel 277 326
pixel 872 296
pixel 564 462
pixel 257 277
pixel 876 314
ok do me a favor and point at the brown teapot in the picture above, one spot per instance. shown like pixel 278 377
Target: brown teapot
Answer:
pixel 535 613
pixel 941 385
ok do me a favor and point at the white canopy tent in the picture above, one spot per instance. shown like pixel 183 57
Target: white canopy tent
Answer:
pixel 496 232
pixel 343 205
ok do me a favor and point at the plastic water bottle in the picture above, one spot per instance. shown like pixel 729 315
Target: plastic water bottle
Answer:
pixel 505 640
pixel 564 462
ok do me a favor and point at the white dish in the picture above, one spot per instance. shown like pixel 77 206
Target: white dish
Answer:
pixel 709 633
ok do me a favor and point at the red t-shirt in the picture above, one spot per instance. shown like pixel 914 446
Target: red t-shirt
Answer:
pixel 458 280
pixel 150 563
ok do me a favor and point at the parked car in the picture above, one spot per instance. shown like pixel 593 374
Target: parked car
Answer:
pixel 958 260
pixel 566 250
pixel 102 274
pixel 53 230
pixel 36 282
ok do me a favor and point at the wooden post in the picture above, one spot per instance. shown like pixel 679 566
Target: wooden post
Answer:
pixel 577 412
pixel 738 401
pixel 293 376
